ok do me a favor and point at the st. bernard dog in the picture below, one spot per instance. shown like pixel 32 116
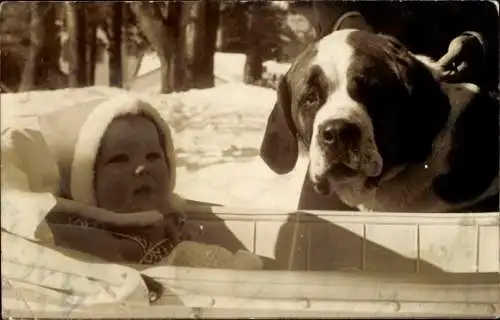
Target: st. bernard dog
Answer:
pixel 382 132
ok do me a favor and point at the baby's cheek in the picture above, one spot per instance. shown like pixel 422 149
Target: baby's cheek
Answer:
pixel 161 174
pixel 113 189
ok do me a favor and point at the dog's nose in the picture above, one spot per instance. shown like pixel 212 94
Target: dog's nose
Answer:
pixel 339 132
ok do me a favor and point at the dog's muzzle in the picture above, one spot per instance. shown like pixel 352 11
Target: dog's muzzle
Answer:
pixel 342 152
pixel 340 140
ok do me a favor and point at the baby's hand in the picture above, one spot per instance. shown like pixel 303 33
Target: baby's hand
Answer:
pixel 180 228
pixel 191 231
pixel 174 223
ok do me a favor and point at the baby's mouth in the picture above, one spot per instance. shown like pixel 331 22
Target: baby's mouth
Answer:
pixel 143 190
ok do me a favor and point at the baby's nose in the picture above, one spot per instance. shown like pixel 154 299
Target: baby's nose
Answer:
pixel 140 170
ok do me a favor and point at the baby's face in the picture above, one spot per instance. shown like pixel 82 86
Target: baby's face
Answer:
pixel 131 168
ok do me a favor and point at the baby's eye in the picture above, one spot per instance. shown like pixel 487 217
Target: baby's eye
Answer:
pixel 119 158
pixel 153 156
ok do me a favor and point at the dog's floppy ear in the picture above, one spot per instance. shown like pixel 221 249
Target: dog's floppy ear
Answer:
pixel 279 148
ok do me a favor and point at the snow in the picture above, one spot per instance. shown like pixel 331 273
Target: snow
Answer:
pixel 226 65
pixel 275 68
pixel 217 133
pixel 229 66
pixel 150 62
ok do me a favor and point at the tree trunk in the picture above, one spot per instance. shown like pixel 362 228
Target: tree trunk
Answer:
pixel 42 70
pixel 201 37
pixel 253 64
pixel 91 45
pixel 187 39
pixel 209 46
pixel 76 16
pixel 92 54
pixel 180 75
pixel 115 46
pixel 162 33
pixel 36 29
pixel 51 74
pixel 201 20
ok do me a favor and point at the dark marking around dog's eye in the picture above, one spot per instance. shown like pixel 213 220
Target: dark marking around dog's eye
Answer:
pixel 315 88
pixel 313 95
pixel 119 158
pixel 311 98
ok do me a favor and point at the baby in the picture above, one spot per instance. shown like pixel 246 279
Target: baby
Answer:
pixel 115 190
pixel 123 163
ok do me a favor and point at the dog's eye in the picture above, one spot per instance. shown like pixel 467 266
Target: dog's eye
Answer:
pixel 119 158
pixel 312 98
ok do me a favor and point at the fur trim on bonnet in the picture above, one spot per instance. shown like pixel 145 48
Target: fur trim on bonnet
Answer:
pixel 74 136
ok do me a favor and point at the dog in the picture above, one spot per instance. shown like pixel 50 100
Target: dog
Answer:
pixel 381 131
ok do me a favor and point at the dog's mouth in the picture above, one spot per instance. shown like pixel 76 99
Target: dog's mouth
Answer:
pixel 355 168
pixel 333 178
pixel 340 175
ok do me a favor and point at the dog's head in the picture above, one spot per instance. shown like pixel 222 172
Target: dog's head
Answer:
pixel 362 104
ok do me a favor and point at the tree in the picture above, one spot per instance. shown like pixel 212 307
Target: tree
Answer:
pixel 37 11
pixel 14 43
pixel 184 36
pixel 207 49
pixel 100 18
pixel 115 45
pixel 41 68
pixel 76 23
pixel 253 63
pixel 160 23
pixel 93 17
pixel 201 25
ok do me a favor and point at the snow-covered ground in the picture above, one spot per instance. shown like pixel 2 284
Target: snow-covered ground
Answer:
pixel 218 136
pixel 226 65
pixel 217 133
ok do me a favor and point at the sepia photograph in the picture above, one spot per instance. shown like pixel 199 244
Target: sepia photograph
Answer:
pixel 250 159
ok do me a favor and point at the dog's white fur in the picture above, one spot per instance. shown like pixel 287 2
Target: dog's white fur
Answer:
pixel 340 106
